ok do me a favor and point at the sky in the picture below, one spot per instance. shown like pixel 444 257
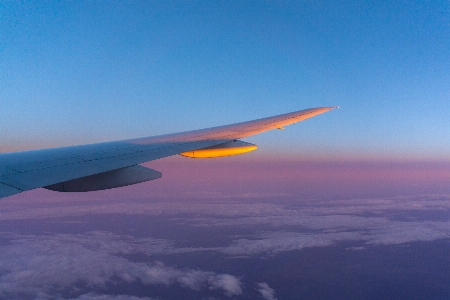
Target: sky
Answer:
pixel 351 204
pixel 84 72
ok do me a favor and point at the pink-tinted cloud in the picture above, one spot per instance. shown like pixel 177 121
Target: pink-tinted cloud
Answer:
pixel 239 177
pixel 310 179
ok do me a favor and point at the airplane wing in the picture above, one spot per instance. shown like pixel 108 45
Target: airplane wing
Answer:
pixel 114 164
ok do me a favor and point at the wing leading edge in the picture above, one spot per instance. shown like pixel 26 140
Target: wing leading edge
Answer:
pixel 22 171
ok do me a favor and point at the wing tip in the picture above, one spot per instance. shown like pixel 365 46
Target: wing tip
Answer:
pixel 324 108
pixel 328 108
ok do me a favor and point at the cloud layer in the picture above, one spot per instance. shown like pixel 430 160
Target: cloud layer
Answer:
pixel 84 265
pixel 44 265
pixel 266 292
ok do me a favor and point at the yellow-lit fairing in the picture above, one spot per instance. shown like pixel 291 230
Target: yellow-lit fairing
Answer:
pixel 226 149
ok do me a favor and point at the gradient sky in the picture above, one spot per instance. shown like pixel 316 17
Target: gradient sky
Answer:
pixel 84 72
pixel 352 204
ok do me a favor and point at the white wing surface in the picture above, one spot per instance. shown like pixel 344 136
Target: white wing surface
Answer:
pixel 71 168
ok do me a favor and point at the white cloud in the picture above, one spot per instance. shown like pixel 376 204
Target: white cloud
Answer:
pixel 266 292
pixel 230 284
pixel 324 232
pixel 90 296
pixel 94 296
pixel 356 248
pixel 42 265
pixel 318 223
pixel 280 241
pixel 396 232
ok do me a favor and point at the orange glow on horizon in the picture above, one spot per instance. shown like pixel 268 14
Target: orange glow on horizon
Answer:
pixel 342 179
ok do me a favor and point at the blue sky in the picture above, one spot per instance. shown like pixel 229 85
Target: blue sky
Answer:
pixel 83 72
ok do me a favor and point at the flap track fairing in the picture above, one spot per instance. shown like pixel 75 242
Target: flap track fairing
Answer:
pixel 107 180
